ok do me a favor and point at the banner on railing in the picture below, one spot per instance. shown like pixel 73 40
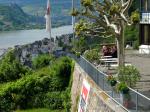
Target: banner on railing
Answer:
pixel 84 96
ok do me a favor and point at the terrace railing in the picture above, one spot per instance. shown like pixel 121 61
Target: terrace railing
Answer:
pixel 138 102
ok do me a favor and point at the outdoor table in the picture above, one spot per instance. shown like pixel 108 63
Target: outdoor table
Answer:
pixel 107 56
pixel 109 62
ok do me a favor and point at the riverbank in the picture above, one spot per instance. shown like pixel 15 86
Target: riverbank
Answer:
pixel 25 53
pixel 21 37
pixel 2 52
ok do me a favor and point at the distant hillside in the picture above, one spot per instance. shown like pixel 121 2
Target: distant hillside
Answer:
pixel 60 9
pixel 12 17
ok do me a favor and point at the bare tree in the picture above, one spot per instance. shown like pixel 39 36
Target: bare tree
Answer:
pixel 107 17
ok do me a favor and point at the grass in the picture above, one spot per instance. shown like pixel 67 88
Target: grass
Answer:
pixel 39 110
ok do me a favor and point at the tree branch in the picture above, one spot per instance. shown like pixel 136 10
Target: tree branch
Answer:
pixel 127 6
pixel 112 25
pixel 124 4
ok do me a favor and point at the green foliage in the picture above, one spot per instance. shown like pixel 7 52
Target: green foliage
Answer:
pixel 14 18
pixel 92 55
pixel 86 3
pixel 132 35
pixel 135 17
pixel 115 8
pixel 40 110
pixel 42 61
pixel 111 80
pixel 81 45
pixel 53 100
pixel 123 88
pixel 47 87
pixel 80 27
pixel 136 44
pixel 74 12
pixel 11 69
pixel 129 75
pixel 66 96
pixel 135 6
pixel 78 54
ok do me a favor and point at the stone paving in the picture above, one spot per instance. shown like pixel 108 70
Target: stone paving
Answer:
pixel 142 63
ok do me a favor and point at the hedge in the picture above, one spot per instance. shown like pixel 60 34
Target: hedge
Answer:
pixel 48 87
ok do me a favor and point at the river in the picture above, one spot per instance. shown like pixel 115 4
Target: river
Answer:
pixel 20 37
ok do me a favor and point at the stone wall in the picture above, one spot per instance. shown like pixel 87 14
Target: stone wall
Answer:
pixel 98 101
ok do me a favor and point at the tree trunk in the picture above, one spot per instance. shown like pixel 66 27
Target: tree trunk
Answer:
pixel 120 47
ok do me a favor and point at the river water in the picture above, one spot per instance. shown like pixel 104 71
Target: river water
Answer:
pixel 20 37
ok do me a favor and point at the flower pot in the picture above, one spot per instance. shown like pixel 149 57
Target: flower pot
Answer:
pixel 127 104
pixel 113 82
pixel 125 90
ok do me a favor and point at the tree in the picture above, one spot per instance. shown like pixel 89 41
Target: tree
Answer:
pixel 129 75
pixel 107 18
pixel 80 44
pixel 11 69
pixel 42 61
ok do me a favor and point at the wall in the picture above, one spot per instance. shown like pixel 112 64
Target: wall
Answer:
pixel 98 101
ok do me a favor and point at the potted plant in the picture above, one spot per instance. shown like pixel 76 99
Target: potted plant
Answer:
pixel 73 51
pixel 78 54
pixel 129 74
pixel 135 17
pixel 123 88
pixel 127 101
pixel 125 96
pixel 111 80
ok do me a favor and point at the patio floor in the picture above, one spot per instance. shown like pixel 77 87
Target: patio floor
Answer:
pixel 142 63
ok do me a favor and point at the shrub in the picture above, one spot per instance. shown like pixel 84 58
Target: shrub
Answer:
pixel 92 55
pixel 136 45
pixel 129 75
pixel 135 17
pixel 53 100
pixel 11 68
pixel 41 89
pixel 42 61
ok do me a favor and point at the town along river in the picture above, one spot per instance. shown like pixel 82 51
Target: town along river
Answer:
pixel 20 37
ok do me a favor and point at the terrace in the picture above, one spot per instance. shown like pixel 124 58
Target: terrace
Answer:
pixel 139 102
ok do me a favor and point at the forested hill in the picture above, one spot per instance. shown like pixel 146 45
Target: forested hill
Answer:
pixel 37 8
pixel 12 17
pixel 60 9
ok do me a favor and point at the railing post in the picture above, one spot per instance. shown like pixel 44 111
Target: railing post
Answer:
pixel 97 77
pixel 103 82
pixel 137 102
pixel 112 93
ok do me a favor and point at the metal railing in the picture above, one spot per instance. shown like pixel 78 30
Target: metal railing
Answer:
pixel 137 103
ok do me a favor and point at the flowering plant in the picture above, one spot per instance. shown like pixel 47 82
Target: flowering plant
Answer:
pixel 111 80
